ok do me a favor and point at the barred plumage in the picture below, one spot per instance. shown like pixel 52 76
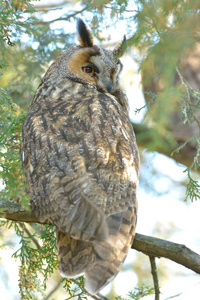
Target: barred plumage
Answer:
pixel 81 161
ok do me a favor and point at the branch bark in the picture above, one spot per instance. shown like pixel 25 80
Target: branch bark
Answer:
pixel 161 248
pixel 155 277
pixel 150 246
pixel 14 212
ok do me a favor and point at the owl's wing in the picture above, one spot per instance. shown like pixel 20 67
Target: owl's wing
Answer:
pixel 81 162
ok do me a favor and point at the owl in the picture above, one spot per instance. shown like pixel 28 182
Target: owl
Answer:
pixel 81 160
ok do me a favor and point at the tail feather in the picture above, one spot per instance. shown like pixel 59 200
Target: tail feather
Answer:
pixel 74 255
pixel 100 261
pixel 111 253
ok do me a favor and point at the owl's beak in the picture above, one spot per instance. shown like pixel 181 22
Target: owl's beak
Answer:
pixel 106 84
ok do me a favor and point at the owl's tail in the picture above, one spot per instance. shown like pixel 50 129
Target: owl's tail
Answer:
pixel 98 260
pixel 112 253
pixel 74 255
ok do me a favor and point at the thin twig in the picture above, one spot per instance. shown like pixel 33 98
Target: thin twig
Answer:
pixel 97 297
pixel 118 10
pixel 31 235
pixel 155 277
pixel 9 5
pixel 188 96
pixel 102 297
pixel 64 18
pixel 48 9
pixel 54 289
pixel 83 291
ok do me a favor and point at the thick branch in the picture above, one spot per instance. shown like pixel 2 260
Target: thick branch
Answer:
pixel 173 251
pixel 13 211
pixel 146 244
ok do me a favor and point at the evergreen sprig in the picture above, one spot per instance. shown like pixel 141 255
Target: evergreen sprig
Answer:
pixel 37 262
pixel 138 293
pixel 190 105
pixel 193 187
pixel 11 175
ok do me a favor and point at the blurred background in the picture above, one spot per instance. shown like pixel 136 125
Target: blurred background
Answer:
pixel 161 77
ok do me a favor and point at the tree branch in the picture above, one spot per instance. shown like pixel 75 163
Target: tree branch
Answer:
pixel 155 277
pixel 14 212
pixel 35 241
pixel 150 246
pixel 161 248
pixel 67 17
pixel 54 289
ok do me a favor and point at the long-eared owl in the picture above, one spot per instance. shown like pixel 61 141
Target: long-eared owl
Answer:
pixel 81 160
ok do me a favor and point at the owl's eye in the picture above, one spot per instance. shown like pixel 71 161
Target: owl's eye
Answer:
pixel 87 69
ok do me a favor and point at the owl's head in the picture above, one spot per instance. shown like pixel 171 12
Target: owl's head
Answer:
pixel 88 63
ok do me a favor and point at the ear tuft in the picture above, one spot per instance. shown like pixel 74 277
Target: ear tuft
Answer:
pixel 120 48
pixel 84 35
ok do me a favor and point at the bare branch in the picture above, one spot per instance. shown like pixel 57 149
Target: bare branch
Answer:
pixel 54 289
pixel 8 3
pixel 63 18
pixel 35 241
pixel 150 246
pixel 161 248
pixel 155 277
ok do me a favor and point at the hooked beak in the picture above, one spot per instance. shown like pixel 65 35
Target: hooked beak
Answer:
pixel 106 84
